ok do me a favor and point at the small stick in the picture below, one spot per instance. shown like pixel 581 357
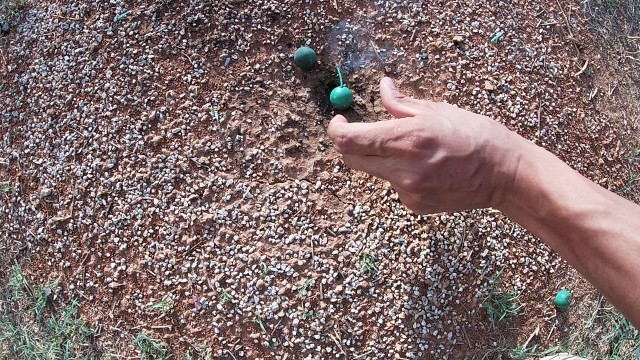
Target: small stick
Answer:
pixel 190 250
pixel 540 119
pixel 155 327
pixel 81 265
pixel 230 353
pixel 586 63
pixel 335 339
pixel 534 333
pixel 313 254
pixel 551 332
pixel 363 355
pixel 375 49
pixel 466 337
pixel 632 58
pixel 566 19
pixel 275 328
pixel 189 59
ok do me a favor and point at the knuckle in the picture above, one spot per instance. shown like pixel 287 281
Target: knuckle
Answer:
pixel 421 141
pixel 343 142
pixel 412 184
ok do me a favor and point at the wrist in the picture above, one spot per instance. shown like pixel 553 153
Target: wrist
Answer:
pixel 545 190
pixel 506 152
pixel 533 181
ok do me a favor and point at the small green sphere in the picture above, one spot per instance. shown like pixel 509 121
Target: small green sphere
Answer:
pixel 305 58
pixel 563 299
pixel 341 98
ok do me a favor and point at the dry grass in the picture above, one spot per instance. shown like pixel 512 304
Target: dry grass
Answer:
pixel 616 23
pixel 604 333
pixel 501 306
pixel 632 189
pixel 32 327
pixel 150 348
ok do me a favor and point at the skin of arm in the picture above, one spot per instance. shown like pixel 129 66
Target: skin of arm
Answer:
pixel 596 231
pixel 442 158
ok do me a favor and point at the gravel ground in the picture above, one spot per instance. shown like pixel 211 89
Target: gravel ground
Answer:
pixel 172 149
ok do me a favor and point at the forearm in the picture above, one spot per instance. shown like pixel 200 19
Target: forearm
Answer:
pixel 441 158
pixel 596 231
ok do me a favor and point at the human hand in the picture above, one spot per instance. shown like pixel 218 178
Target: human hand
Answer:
pixel 437 156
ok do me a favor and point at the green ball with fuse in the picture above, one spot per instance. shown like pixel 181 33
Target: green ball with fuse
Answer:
pixel 341 97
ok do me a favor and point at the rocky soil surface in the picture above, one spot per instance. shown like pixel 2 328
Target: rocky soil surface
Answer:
pixel 171 150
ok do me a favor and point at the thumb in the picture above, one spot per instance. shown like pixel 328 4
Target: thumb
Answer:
pixel 400 105
pixel 367 139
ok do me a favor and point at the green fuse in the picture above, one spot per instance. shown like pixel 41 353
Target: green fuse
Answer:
pixel 341 97
pixel 563 299
pixel 497 37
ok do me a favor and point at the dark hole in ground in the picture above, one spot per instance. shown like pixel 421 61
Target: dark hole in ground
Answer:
pixel 321 82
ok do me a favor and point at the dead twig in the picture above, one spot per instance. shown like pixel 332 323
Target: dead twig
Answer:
pixel 612 89
pixel 363 355
pixel 584 67
pixel 335 339
pixel 375 50
pixel 566 19
pixel 230 353
pixel 189 59
pixel 540 119
pixel 551 332
pixel 190 250
pixel 313 254
pixel 466 338
pixel 632 58
pixel 156 327
pixel 534 333
pixel 275 328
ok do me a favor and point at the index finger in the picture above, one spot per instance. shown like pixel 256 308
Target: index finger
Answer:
pixel 372 139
